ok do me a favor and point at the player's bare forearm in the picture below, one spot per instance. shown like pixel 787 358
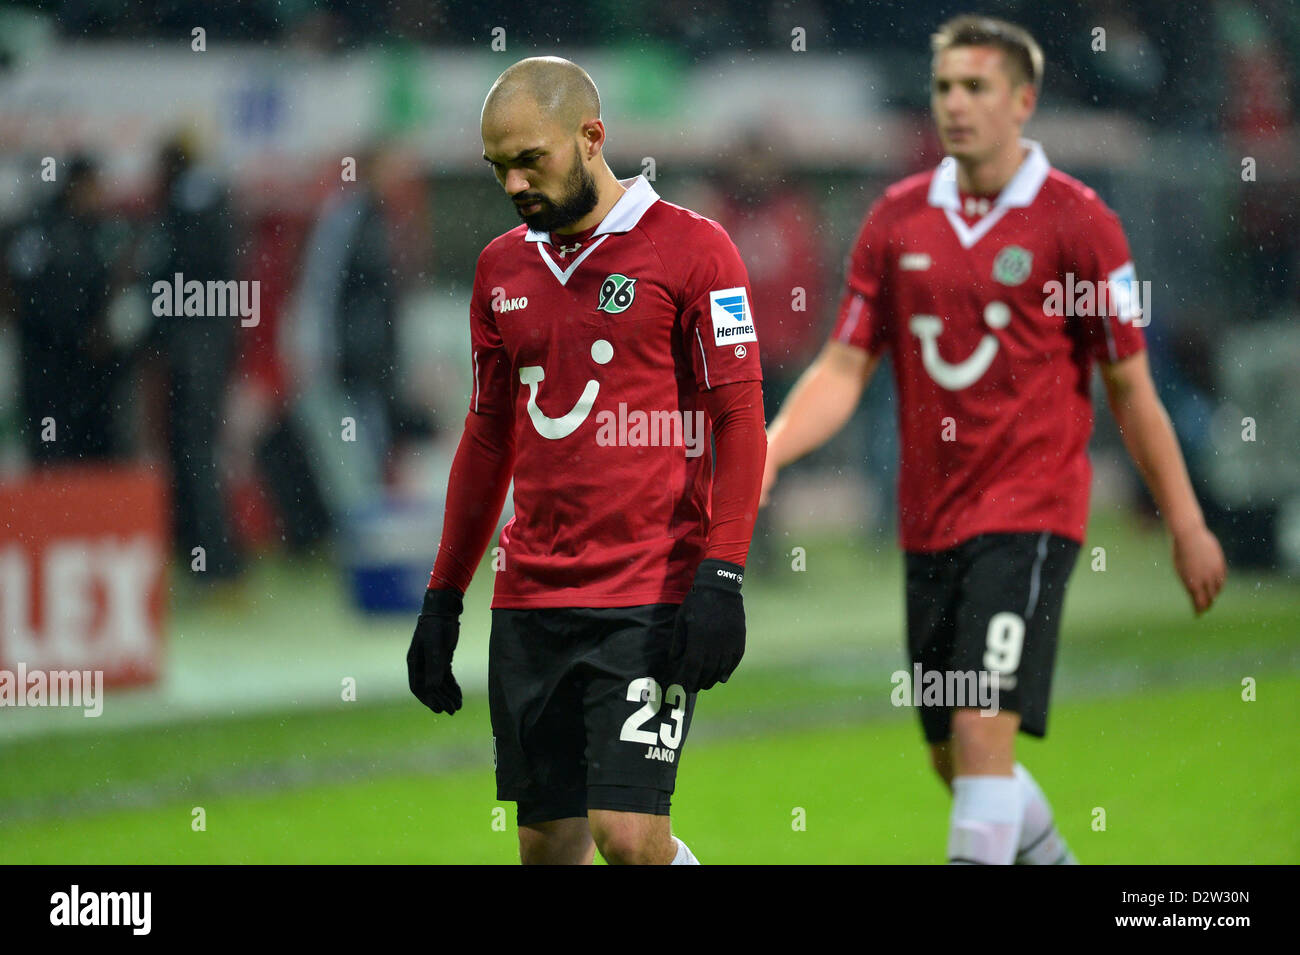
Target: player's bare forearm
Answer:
pixel 476 492
pixel 1149 437
pixel 820 403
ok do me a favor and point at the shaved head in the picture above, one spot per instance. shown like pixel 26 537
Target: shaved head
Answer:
pixel 556 87
pixel 543 137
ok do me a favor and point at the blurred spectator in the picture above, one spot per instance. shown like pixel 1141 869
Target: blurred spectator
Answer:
pixel 1129 70
pixel 268 452
pixel 776 226
pixel 193 236
pixel 340 344
pixel 59 276
pixel 1257 117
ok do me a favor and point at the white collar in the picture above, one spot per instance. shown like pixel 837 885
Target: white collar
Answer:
pixel 1019 192
pixel 627 212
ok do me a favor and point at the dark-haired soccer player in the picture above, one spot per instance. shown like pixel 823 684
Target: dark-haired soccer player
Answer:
pixel 952 273
pixel 611 333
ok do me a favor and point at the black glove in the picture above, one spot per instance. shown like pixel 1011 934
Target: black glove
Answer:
pixel 709 636
pixel 428 662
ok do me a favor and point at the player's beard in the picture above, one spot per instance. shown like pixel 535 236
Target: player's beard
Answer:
pixel 579 198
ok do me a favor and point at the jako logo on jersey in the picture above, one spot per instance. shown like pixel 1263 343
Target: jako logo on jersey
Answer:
pixel 616 294
pixel 963 374
pixel 501 304
pixel 563 426
pixel 732 321
pixel 914 261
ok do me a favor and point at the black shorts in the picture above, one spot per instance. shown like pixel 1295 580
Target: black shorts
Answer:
pixel 992 603
pixel 581 718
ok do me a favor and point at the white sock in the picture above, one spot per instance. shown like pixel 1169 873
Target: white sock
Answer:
pixel 684 855
pixel 985 826
pixel 1040 842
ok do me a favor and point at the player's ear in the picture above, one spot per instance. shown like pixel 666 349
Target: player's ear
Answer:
pixel 592 135
pixel 1027 94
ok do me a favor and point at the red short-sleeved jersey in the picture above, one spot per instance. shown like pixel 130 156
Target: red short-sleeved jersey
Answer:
pixel 992 358
pixel 599 353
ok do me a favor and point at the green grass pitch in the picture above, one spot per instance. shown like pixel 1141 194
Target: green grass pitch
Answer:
pixel 1148 727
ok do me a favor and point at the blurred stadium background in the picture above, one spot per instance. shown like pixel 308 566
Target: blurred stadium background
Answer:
pixel 261 678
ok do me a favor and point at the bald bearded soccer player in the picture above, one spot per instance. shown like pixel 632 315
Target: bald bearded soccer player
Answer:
pixel 613 349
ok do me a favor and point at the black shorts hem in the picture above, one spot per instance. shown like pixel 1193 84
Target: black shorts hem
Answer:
pixel 532 811
pixel 653 802
pixel 938 729
pixel 616 798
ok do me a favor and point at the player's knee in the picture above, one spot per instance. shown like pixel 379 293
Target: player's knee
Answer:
pixel 535 848
pixel 624 844
pixel 980 737
pixel 977 726
pixel 553 846
pixel 626 850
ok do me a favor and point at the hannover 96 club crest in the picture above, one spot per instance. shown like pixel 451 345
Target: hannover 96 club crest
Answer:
pixel 616 294
pixel 1012 265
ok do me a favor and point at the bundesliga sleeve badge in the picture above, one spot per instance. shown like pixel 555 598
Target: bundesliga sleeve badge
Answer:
pixel 732 320
pixel 1126 302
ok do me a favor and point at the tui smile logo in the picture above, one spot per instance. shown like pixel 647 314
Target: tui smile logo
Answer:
pixel 554 429
pixel 958 375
